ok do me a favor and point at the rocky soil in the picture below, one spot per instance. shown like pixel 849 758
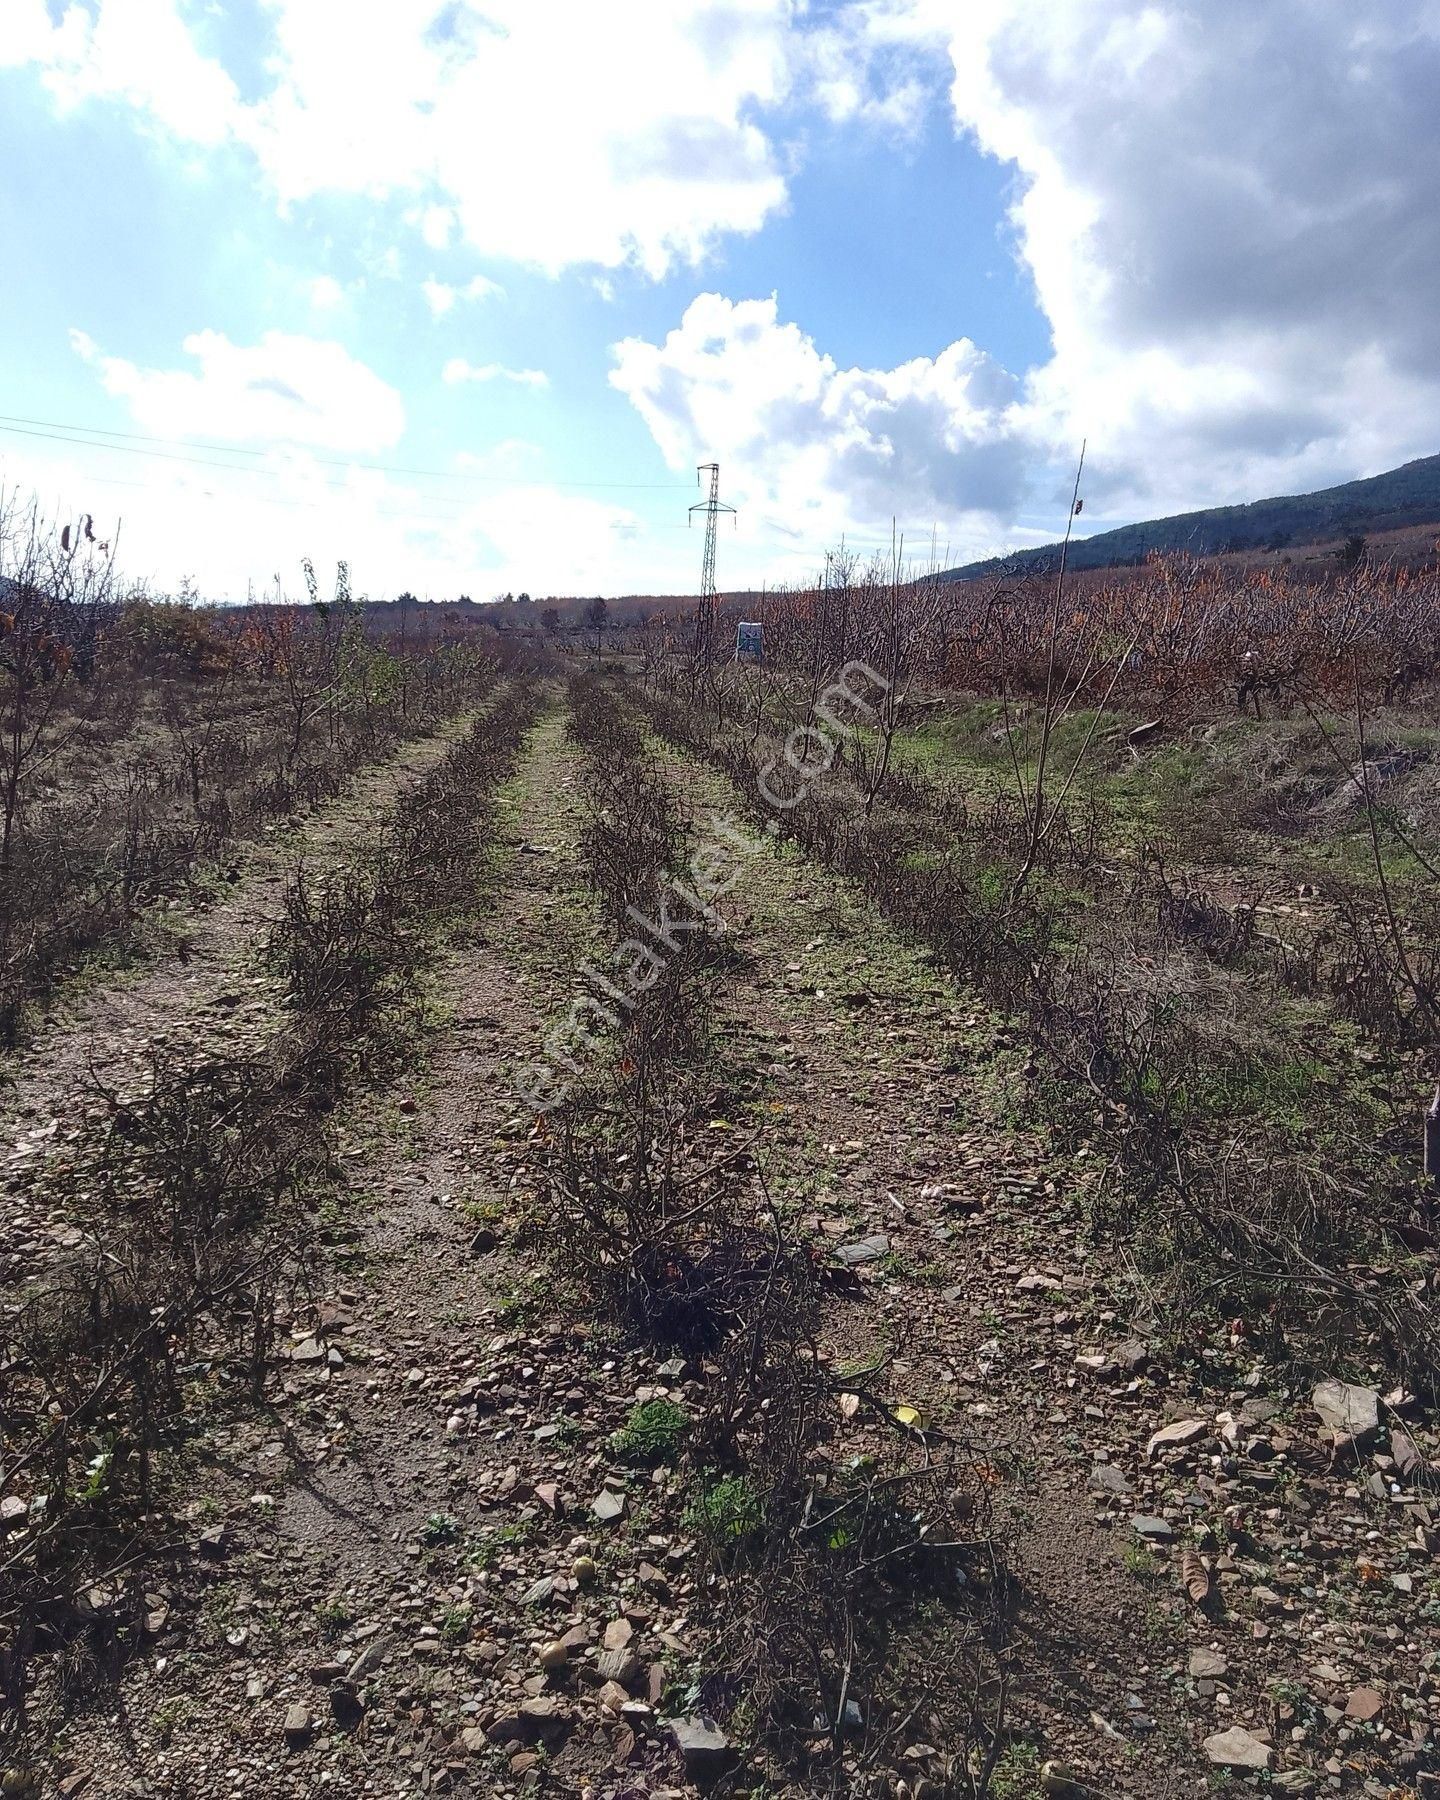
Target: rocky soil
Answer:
pixel 437 1564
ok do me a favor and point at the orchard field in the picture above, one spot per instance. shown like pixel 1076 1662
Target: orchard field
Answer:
pixel 583 1218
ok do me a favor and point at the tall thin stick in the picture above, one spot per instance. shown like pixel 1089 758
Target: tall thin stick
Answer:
pixel 1047 724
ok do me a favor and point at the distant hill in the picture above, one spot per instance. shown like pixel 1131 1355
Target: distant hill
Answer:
pixel 1409 495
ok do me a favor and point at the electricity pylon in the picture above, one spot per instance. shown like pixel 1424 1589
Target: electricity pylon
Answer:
pixel 705 618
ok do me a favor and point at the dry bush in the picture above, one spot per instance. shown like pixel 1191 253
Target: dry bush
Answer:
pixel 198 1199
pixel 822 1560
pixel 1179 637
pixel 142 738
pixel 1206 1055
pixel 195 1222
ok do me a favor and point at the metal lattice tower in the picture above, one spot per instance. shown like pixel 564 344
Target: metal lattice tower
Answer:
pixel 712 508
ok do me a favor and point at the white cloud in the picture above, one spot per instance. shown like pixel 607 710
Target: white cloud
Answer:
pixel 140 52
pixel 815 447
pixel 286 388
pixel 227 528
pixel 436 225
pixel 512 459
pixel 458 370
pixel 441 296
pixel 29 35
pixel 1227 212
pixel 550 134
pixel 325 292
pixel 554 134
pixel 1229 216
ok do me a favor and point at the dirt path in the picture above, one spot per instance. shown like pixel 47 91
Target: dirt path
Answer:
pixel 406 1529
pixel 398 1583
pixel 894 1116
pixel 205 950
pixel 202 989
pixel 878 1093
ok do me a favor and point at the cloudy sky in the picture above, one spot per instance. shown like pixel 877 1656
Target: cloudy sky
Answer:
pixel 463 290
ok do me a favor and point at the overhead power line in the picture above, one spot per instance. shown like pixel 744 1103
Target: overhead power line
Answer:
pixel 82 437
pixel 93 437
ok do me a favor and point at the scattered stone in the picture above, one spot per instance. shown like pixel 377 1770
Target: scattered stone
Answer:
pixel 1208 1665
pixel 864 1250
pixel 369 1659
pixel 1237 1749
pixel 1158 1531
pixel 1105 1478
pixel 612 1696
pixel 608 1506
pixel 704 1746
pixel 298 1726
pixel 215 1543
pixel 546 1719
pixel 618 1665
pixel 346 1706
pixel 1409 1463
pixel 1364 1705
pixel 1171 1437
pixel 1346 1410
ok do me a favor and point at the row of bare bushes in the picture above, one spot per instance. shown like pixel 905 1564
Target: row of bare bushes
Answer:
pixel 199 1207
pixel 828 1528
pixel 1255 1089
pixel 139 740
pixel 88 857
pixel 1179 637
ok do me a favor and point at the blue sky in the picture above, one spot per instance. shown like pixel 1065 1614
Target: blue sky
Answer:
pixel 463 289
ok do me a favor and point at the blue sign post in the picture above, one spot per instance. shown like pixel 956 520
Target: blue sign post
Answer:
pixel 749 641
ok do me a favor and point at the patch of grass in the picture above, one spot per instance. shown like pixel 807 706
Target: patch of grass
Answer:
pixel 455 1626
pixel 728 1512
pixel 333 1616
pixel 521 1306
pixel 1017 1774
pixel 653 1433
pixel 440 1528
pixel 168 1716
pixel 484 1552
pixel 1141 1562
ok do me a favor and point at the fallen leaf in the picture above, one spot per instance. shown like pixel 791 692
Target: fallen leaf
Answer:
pixel 1195 1576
